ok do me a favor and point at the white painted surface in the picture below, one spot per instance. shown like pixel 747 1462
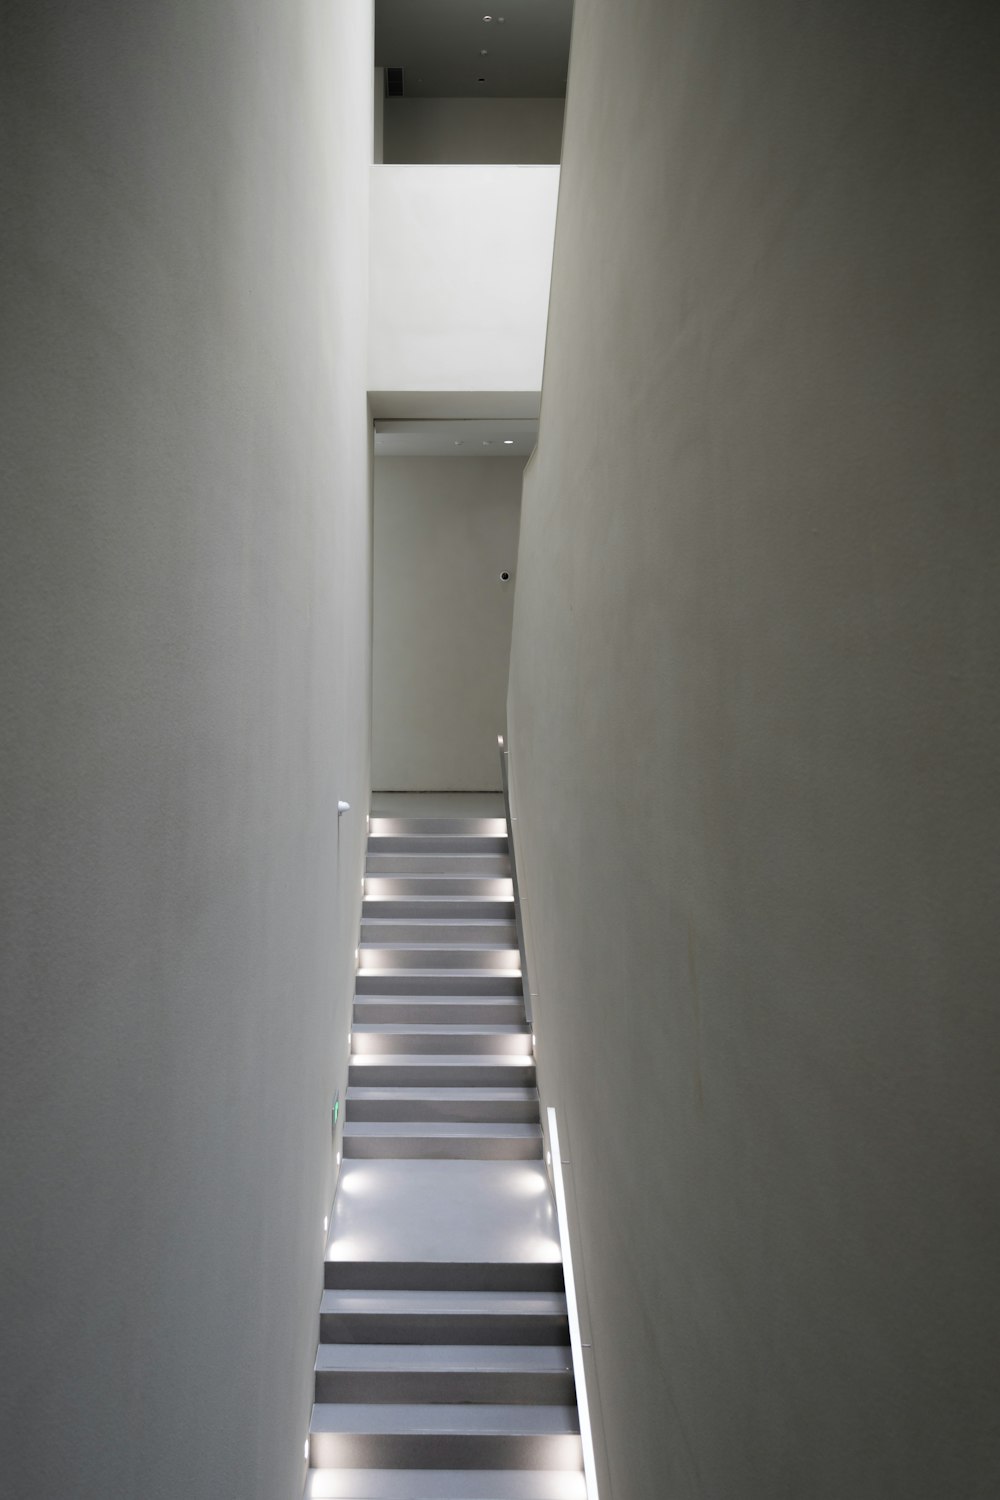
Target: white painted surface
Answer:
pixel 497 131
pixel 444 530
pixel 184 699
pixel 754 739
pixel 461 259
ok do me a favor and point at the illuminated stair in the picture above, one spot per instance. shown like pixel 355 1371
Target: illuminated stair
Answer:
pixel 444 1369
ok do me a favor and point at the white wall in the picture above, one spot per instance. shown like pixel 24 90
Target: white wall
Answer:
pixel 184 697
pixel 461 259
pixel 754 722
pixel 440 131
pixel 445 529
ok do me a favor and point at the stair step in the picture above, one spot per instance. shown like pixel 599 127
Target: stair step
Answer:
pixel 438 908
pixel 437 843
pixel 436 1070
pixel 440 1010
pixel 440 932
pixel 459 1104
pixel 432 955
pixel 373 1039
pixel 443 1275
pixel 408 1317
pixel 511 1374
pixel 480 865
pixel 436 887
pixel 424 1436
pixel 388 826
pixel 458 981
pixel 445 1484
pixel 442 1141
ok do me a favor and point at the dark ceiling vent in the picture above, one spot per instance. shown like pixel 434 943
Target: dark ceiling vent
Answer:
pixel 393 83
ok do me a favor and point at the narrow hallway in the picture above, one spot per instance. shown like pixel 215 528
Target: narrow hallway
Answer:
pixel 444 1369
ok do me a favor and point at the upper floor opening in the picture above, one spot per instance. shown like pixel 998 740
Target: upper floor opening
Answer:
pixel 462 82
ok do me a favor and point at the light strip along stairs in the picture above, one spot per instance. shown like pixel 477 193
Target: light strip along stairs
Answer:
pixel 444 1369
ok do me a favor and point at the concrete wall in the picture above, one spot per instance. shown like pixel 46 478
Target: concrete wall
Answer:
pixel 185 609
pixel 445 529
pixel 460 264
pixel 754 722
pixel 473 130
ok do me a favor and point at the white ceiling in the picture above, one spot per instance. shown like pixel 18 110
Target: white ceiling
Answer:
pixel 457 438
pixel 438 44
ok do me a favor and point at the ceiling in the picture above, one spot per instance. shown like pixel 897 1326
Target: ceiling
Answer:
pixel 438 44
pixel 458 438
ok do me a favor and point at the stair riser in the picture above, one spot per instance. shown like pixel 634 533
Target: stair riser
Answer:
pixel 439 958
pixel 384 932
pixel 486 982
pixel 497 1388
pixel 443 1276
pixel 444 1484
pixel 439 1328
pixel 437 843
pixel 413 909
pixel 461 1043
pixel 470 1111
pixel 443 1451
pixel 389 825
pixel 418 1075
pixel 431 887
pixel 458 1012
pixel 480 865
pixel 438 1148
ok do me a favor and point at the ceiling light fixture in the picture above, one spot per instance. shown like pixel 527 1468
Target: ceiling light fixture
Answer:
pixel 483 52
pixel 487 442
pixel 458 442
pixel 487 19
pixel 508 442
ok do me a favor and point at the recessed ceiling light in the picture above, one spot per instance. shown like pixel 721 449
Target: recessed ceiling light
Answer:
pixel 458 442
pixel 487 18
pixel 508 442
pixel 483 52
pixel 487 442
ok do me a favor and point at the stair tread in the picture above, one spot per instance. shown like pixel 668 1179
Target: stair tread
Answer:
pixel 447 1028
pixel 346 1416
pixel 457 947
pixel 545 1359
pixel 431 972
pixel 364 1092
pixel 370 999
pixel 445 1484
pixel 441 1059
pixel 445 1304
pixel 445 1128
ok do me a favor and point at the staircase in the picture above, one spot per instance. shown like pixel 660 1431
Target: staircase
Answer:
pixel 444 1368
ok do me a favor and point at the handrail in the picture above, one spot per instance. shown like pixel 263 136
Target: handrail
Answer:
pixel 505 778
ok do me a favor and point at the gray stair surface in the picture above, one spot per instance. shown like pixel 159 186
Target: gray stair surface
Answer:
pixel 444 1370
pixel 503 1375
pixel 433 1139
pixel 470 1105
pixel 397 1434
pixel 445 1484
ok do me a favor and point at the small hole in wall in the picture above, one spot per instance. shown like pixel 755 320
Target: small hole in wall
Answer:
pixel 505 577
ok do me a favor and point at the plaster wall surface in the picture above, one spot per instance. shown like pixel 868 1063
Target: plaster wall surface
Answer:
pixel 445 529
pixel 184 612
pixel 461 259
pixel 473 130
pixel 754 729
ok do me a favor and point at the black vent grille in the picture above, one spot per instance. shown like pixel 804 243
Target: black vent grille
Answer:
pixel 393 82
